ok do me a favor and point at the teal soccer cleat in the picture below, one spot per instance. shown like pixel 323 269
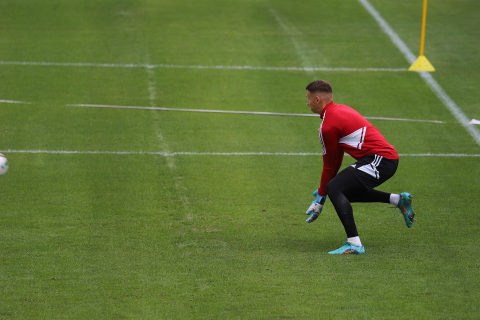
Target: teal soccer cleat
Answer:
pixel 349 248
pixel 405 206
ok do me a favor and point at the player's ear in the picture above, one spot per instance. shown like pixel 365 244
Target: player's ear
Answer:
pixel 318 98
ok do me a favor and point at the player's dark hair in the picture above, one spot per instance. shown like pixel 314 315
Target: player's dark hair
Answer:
pixel 320 86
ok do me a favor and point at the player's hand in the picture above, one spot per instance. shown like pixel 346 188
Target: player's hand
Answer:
pixel 316 207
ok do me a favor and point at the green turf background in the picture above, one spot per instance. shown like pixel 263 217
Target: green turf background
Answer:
pixel 142 236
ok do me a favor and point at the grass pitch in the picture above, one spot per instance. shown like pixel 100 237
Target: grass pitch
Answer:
pixel 94 225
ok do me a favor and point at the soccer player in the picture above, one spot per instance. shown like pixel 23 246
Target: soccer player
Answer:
pixel 344 130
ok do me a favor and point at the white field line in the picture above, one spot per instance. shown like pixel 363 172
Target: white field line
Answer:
pixel 151 66
pixel 168 154
pixel 238 112
pixel 13 101
pixel 152 94
pixel 427 77
pixel 451 106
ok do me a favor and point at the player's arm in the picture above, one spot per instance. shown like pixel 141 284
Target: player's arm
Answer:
pixel 332 160
pixel 331 164
pixel 332 157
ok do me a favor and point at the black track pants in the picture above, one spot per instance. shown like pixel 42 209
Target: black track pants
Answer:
pixel 344 189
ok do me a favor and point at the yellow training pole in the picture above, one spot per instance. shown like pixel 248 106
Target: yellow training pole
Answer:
pixel 424 22
pixel 422 63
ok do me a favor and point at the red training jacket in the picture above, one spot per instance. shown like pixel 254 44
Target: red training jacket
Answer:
pixel 343 129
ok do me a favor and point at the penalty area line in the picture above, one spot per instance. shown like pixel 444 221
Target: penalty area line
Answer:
pixel 168 154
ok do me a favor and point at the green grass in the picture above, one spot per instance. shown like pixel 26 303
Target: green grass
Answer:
pixel 144 236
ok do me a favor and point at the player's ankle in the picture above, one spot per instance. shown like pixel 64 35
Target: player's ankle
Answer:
pixel 355 241
pixel 394 199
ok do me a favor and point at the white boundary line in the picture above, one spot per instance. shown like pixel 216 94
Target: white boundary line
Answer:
pixel 427 77
pixel 151 66
pixel 238 112
pixel 168 154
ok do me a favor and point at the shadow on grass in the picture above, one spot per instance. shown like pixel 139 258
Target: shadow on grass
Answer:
pixel 289 243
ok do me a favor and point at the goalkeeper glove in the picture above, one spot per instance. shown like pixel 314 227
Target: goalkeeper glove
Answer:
pixel 316 207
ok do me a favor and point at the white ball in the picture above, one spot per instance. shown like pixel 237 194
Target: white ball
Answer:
pixel 3 164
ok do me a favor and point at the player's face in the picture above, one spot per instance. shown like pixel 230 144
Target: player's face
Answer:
pixel 313 103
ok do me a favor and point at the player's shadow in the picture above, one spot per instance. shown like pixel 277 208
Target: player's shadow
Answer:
pixel 288 243
pixel 307 245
